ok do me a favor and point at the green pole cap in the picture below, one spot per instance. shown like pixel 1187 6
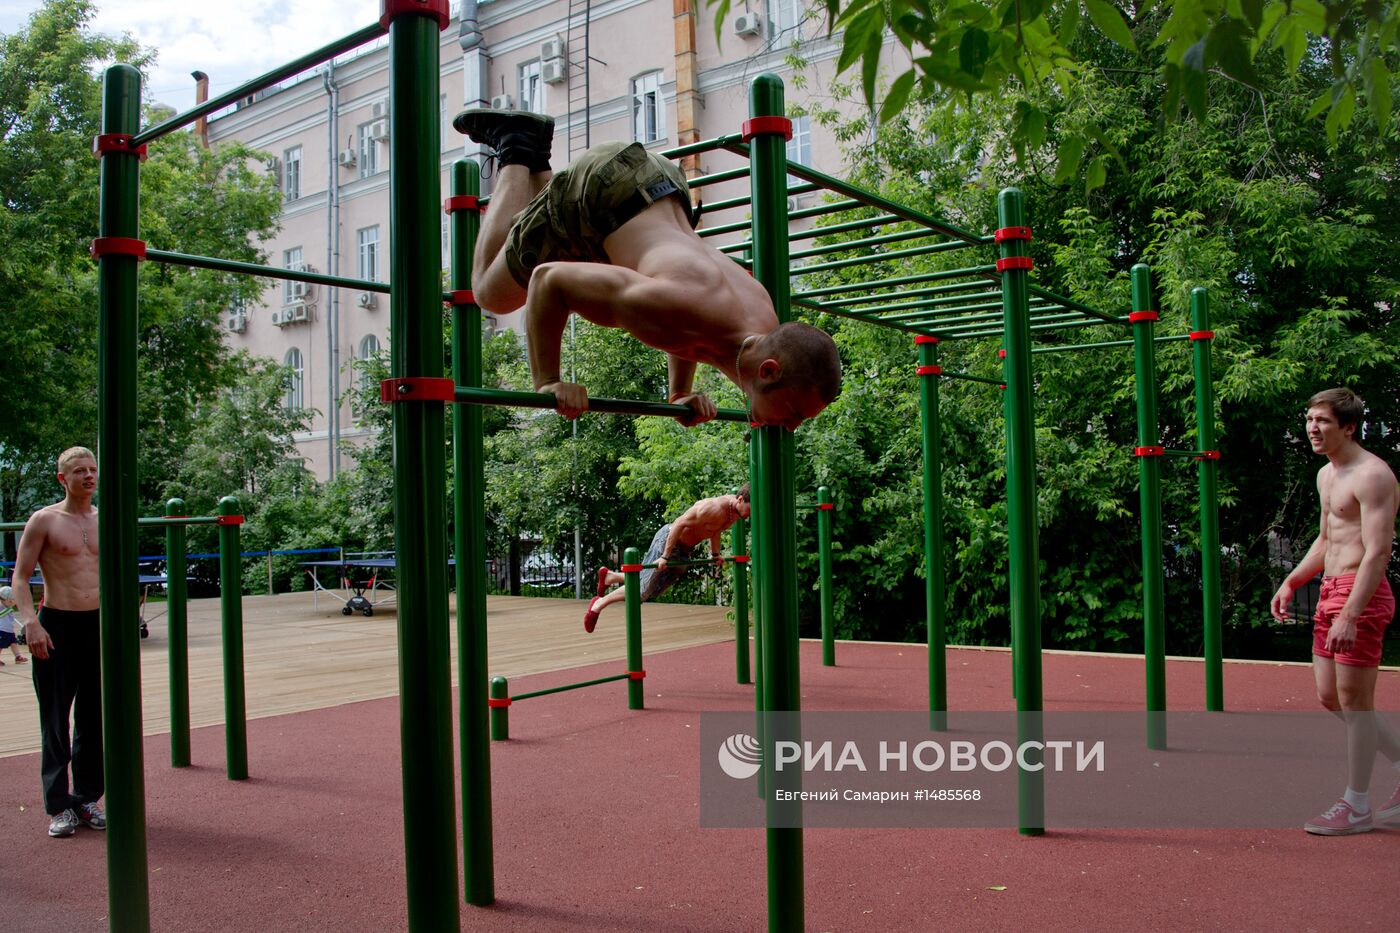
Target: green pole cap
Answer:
pixel 228 505
pixel 174 506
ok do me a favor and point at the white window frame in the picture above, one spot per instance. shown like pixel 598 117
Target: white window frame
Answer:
pixel 367 248
pixel 294 399
pixel 291 174
pixel 799 148
pixel 530 83
pixel 648 108
pixel 784 15
pixel 367 147
pixel 291 259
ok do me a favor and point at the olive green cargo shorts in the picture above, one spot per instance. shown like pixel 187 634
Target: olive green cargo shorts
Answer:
pixel 586 202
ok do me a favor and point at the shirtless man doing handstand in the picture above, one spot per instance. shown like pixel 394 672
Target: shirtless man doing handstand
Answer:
pixel 610 239
pixel 705 520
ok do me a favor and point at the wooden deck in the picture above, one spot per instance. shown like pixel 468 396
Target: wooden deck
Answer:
pixel 301 653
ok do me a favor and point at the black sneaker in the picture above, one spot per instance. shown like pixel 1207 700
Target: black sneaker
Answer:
pixel 64 824
pixel 91 816
pixel 517 137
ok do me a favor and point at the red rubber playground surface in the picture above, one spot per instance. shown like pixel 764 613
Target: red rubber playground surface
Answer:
pixel 597 827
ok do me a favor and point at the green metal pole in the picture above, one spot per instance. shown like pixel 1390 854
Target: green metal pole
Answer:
pixel 632 583
pixel 231 613
pixel 738 543
pixel 1022 523
pixel 176 615
pixel 420 533
pixel 469 528
pixel 1207 478
pixel 824 510
pixel 1154 611
pixel 117 431
pixel 777 521
pixel 499 692
pixel 934 595
pixel 760 631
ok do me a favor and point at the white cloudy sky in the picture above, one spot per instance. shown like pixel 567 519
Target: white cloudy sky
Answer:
pixel 229 41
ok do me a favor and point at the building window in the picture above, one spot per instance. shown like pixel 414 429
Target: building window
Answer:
pixel 367 239
pixel 368 161
pixel 291 174
pixel 784 15
pixel 291 259
pixel 531 87
pixel 799 148
pixel 648 109
pixel 293 400
pixel 445 124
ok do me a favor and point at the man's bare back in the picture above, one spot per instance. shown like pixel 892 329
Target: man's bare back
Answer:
pixel 705 520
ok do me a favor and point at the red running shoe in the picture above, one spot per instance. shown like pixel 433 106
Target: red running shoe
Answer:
pixel 1339 820
pixel 590 618
pixel 602 581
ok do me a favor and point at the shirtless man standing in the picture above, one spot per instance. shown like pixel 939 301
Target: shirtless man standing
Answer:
pixel 706 519
pixel 64 637
pixel 610 238
pixel 1359 501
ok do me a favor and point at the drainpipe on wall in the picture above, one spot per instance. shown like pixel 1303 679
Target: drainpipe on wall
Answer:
pixel 201 94
pixel 688 102
pixel 475 64
pixel 332 268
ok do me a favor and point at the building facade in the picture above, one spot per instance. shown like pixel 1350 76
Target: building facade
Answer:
pixel 644 70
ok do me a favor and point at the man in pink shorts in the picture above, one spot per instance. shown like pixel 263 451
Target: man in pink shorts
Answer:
pixel 1359 501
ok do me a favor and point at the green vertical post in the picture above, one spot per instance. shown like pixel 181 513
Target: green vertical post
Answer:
pixel 231 616
pixel 499 703
pixel 420 533
pixel 469 527
pixel 117 429
pixel 935 600
pixel 177 640
pixel 738 545
pixel 777 519
pixel 1022 523
pixel 824 510
pixel 632 588
pixel 760 631
pixel 1154 638
pixel 1207 478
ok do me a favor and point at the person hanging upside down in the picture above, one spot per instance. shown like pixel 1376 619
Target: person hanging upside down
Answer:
pixel 611 239
pixel 706 519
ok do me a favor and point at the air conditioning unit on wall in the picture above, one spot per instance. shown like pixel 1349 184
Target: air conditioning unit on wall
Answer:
pixel 379 110
pixel 748 24
pixel 554 71
pixel 367 299
pixel 277 318
pixel 501 102
pixel 346 158
pixel 237 322
pixel 297 312
pixel 552 48
pixel 379 130
pixel 300 289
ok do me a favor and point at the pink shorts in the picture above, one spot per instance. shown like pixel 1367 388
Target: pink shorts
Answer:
pixel 1370 628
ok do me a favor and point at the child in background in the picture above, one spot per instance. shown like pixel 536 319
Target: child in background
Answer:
pixel 9 634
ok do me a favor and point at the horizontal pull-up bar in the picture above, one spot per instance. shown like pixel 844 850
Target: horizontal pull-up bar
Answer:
pixel 708 145
pixel 937 296
pixel 855 315
pixel 715 178
pixel 703 562
pixel 324 54
pixel 428 389
pixel 157 520
pixel 1076 305
pixel 744 200
pixel 270 272
pixel 882 257
pixel 968 273
pixel 1106 343
pixel 830 207
pixel 997 331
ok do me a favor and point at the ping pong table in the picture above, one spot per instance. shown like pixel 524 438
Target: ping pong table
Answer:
pixel 365 589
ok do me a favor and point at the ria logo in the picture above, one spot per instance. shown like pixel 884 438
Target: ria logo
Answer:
pixel 739 756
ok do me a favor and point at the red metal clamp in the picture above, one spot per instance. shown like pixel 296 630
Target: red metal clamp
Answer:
pixel 463 202
pixel 1149 451
pixel 228 519
pixel 1015 262
pixel 825 506
pixel 763 126
pixel 636 675
pixel 1001 354
pixel 118 246
pixel 631 568
pixel 1207 455
pixel 117 142
pixel 418 389
pixel 497 702
pixel 462 296
pixel 928 370
pixel 440 9
pixel 924 338
pixel 1201 335
pixel 1013 233
pixel 741 558
pixel 1137 317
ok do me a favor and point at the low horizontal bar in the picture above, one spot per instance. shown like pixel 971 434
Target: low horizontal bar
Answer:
pixel 704 562
pixel 324 54
pixel 179 520
pixel 560 689
pixel 1106 343
pixel 270 272
pixel 967 377
pixel 469 395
